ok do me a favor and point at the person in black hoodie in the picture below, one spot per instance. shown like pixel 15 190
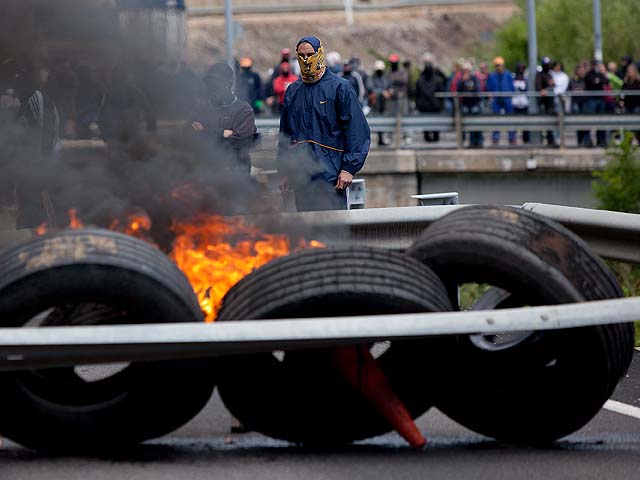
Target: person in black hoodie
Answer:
pixel 226 122
pixel 631 103
pixel 430 82
pixel 595 81
pixel 223 130
pixel 469 84
pixel 544 85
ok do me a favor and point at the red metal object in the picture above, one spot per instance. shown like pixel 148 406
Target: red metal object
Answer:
pixel 363 373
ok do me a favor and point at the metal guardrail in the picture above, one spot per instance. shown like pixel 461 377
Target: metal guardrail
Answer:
pixel 459 122
pixel 216 7
pixel 613 235
pixel 25 348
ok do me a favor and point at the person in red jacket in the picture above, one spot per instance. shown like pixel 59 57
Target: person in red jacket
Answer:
pixel 282 82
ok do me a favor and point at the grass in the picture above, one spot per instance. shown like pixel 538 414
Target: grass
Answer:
pixel 470 292
pixel 629 278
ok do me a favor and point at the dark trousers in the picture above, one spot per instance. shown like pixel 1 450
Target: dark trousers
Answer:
pixel 319 195
pixel 545 105
pixel 597 105
pixel 526 135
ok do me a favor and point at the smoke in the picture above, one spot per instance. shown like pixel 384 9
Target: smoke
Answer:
pixel 87 59
pixel 119 71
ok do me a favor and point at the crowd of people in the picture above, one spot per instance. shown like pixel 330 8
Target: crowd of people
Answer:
pixel 85 97
pixel 394 84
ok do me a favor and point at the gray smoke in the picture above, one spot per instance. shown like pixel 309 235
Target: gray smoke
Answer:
pixel 162 173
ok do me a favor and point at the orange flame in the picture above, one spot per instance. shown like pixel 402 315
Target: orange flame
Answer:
pixel 215 253
pixel 74 221
pixel 136 225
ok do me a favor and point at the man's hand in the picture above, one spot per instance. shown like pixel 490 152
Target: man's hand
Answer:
pixel 344 180
pixel 227 133
pixel 197 126
pixel 284 185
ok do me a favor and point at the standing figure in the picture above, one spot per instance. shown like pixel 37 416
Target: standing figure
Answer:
pixel 282 82
pixel 29 126
pixel 224 130
pixel 545 85
pixel 469 84
pixel 596 81
pixel 324 136
pixel 379 92
pixel 430 82
pixel 250 85
pixel 501 81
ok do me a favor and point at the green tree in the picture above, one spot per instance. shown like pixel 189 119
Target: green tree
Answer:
pixel 565 31
pixel 618 188
pixel 618 184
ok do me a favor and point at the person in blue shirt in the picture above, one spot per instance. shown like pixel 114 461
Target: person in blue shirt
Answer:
pixel 501 80
pixel 324 136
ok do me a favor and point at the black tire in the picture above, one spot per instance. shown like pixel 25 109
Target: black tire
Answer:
pixel 94 276
pixel 302 398
pixel 553 382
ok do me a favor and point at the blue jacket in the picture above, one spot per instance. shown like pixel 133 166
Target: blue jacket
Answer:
pixel 326 119
pixel 501 83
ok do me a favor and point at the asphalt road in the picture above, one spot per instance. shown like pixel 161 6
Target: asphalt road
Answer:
pixel 608 447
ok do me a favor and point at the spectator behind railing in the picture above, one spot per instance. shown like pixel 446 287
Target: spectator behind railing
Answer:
pixel 595 81
pixel 521 102
pixel 577 84
pixel 250 86
pixel 469 84
pixel 545 85
pixel 501 81
pixel 379 91
pixel 430 82
pixel 631 103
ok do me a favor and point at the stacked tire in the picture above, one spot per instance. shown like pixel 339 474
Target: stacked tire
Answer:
pixel 533 387
pixel 300 397
pixel 96 277
pixel 542 385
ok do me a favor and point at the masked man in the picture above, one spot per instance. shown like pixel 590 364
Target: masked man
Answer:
pixel 324 136
pixel 224 127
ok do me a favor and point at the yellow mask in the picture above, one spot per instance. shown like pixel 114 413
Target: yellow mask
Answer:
pixel 312 68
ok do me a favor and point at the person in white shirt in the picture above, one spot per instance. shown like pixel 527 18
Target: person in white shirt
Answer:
pixel 560 83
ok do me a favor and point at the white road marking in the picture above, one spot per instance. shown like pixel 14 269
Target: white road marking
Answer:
pixel 622 408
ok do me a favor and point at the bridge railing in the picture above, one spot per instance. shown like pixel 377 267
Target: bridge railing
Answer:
pixel 456 120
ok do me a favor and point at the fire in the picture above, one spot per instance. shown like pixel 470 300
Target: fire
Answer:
pixel 74 223
pixel 215 253
pixel 136 224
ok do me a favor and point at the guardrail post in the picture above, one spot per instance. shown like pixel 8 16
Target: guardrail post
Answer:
pixel 561 103
pixel 397 141
pixel 457 120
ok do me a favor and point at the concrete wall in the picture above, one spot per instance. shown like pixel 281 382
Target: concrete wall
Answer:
pixel 565 188
pixel 483 176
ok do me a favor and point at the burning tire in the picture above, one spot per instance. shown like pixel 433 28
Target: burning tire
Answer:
pixel 537 386
pixel 299 396
pixel 94 276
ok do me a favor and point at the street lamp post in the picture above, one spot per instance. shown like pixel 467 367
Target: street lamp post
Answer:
pixel 597 31
pixel 533 54
pixel 348 11
pixel 228 31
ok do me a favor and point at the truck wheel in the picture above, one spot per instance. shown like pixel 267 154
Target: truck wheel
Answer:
pixel 89 277
pixel 297 395
pixel 546 384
